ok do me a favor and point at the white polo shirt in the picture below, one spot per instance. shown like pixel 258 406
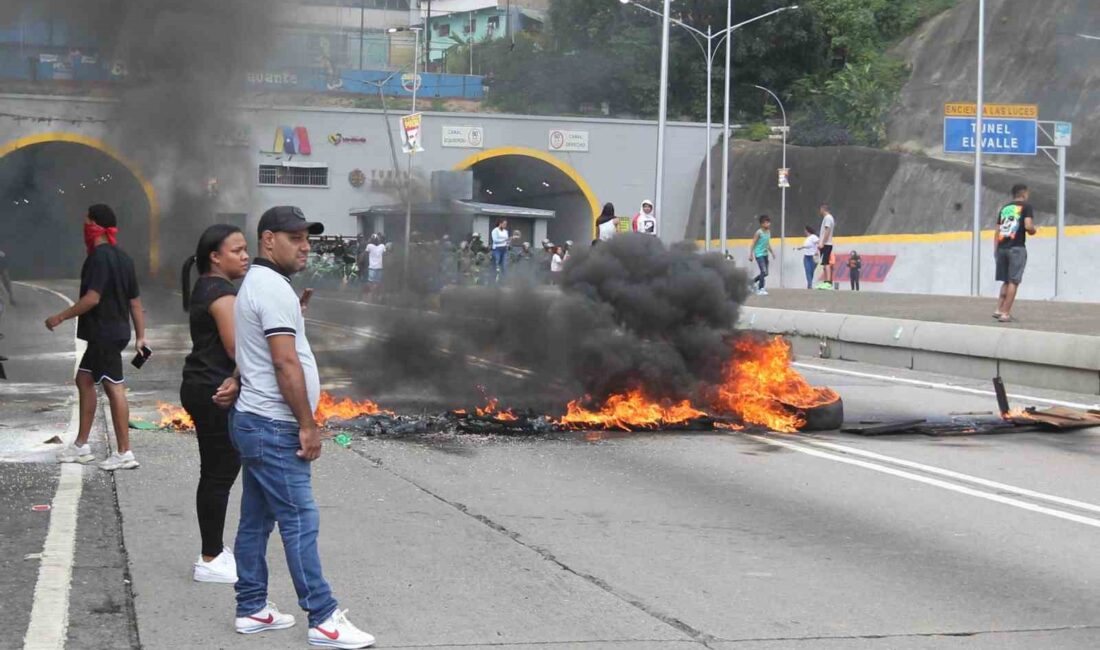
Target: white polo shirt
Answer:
pixel 267 306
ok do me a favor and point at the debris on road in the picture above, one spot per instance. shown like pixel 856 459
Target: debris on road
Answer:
pixel 1009 420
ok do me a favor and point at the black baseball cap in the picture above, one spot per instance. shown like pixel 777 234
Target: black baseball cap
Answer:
pixel 287 218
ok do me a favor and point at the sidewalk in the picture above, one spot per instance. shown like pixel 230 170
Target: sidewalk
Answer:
pixel 1040 315
pixel 1053 345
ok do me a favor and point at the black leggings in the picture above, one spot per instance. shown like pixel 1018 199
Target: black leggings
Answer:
pixel 219 463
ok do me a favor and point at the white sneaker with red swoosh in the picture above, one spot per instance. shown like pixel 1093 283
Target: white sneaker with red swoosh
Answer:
pixel 266 619
pixel 338 632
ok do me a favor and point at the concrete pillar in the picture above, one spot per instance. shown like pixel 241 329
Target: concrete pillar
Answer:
pixel 483 227
pixel 540 233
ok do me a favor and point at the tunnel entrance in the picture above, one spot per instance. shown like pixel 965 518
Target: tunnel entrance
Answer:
pixel 45 189
pixel 534 179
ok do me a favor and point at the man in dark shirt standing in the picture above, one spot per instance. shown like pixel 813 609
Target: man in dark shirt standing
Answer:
pixel 1015 222
pixel 109 299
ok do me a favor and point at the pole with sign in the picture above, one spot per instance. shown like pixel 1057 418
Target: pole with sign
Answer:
pixel 1061 137
pixel 411 129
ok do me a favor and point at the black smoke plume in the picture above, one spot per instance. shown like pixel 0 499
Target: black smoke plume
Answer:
pixel 178 70
pixel 631 313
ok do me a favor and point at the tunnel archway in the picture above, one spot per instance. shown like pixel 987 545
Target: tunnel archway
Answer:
pixel 535 179
pixel 47 181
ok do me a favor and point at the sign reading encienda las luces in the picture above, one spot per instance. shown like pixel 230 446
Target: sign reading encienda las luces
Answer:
pixel 1007 129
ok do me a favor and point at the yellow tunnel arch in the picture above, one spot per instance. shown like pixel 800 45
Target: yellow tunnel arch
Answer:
pixel 553 161
pixel 103 147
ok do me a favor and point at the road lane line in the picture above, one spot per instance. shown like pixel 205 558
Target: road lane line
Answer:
pixel 941 386
pixel 1081 505
pixel 961 489
pixel 49 621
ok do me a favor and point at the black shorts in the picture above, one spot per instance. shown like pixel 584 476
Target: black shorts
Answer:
pixel 827 255
pixel 103 360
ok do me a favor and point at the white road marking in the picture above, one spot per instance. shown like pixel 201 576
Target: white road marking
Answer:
pixel 958 476
pixel 941 386
pixel 961 489
pixel 49 622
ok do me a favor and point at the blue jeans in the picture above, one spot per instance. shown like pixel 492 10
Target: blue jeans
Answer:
pixel 811 266
pixel 762 264
pixel 499 255
pixel 276 488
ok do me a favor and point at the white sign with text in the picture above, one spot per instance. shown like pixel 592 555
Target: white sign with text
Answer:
pixel 463 137
pixel 568 140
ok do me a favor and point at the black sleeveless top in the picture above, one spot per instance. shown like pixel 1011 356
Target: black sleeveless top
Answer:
pixel 208 364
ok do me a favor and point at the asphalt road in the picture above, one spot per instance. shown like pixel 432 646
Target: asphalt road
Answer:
pixel 670 540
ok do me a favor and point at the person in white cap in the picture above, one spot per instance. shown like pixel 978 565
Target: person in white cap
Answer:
pixel 645 221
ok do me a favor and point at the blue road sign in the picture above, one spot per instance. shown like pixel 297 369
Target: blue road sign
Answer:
pixel 1010 137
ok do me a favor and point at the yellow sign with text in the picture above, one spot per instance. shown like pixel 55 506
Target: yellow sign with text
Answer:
pixel 970 109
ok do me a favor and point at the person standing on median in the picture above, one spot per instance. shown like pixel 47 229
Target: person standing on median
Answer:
pixel 1015 222
pixel 761 250
pixel 109 300
pixel 825 245
pixel 809 255
pixel 273 429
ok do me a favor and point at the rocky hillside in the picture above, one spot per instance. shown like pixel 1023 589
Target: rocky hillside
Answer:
pixel 1034 55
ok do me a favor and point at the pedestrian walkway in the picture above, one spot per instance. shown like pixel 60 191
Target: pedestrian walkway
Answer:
pixel 1038 315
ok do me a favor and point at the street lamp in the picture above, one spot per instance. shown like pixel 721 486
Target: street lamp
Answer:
pixel 412 150
pixel 783 189
pixel 976 235
pixel 708 41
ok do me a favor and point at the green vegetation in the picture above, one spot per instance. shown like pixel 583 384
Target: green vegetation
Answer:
pixel 828 61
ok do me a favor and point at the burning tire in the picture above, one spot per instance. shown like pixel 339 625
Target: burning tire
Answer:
pixel 824 417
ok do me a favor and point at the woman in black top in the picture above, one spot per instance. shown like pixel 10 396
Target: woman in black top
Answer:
pixel 210 387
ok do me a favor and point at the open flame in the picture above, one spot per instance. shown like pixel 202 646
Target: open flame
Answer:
pixel 492 410
pixel 760 386
pixel 345 409
pixel 629 412
pixel 174 417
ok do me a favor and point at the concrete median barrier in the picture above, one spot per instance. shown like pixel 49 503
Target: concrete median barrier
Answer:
pixel 1051 360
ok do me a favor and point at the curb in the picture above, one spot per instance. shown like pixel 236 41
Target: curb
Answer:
pixel 1069 362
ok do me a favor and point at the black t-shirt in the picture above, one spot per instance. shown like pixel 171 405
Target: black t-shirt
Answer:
pixel 208 364
pixel 1010 224
pixel 109 272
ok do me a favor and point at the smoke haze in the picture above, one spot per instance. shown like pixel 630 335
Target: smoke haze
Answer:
pixel 178 68
pixel 632 313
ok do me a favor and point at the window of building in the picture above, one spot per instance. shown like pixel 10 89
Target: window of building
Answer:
pixel 294 175
pixel 494 23
pixel 444 30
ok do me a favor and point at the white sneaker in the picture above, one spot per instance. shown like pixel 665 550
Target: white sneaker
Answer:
pixel 222 569
pixel 266 619
pixel 762 292
pixel 119 461
pixel 338 632
pixel 74 454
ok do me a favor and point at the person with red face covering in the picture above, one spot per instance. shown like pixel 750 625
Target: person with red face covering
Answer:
pixel 109 299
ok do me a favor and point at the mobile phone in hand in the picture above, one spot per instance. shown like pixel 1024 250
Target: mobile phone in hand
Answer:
pixel 307 294
pixel 141 357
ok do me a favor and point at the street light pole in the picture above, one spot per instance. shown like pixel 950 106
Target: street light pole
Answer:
pixel 707 181
pixel 723 212
pixel 976 234
pixel 412 152
pixel 662 119
pixel 783 189
pixel 710 51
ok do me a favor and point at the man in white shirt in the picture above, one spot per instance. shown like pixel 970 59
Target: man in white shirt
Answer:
pixel 273 429
pixel 501 237
pixel 825 245
pixel 373 254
